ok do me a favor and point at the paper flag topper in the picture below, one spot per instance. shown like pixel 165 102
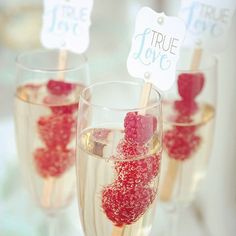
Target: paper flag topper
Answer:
pixel 207 22
pixel 66 24
pixel 155 47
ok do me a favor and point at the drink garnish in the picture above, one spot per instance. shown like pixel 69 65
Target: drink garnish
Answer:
pixel 53 162
pixel 129 196
pixel 59 87
pixel 138 128
pixel 57 130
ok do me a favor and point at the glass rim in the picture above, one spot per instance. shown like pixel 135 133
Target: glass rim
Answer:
pixel 108 108
pixel 212 65
pixel 21 64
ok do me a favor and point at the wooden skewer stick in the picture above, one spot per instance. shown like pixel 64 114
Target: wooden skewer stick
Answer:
pixel 173 165
pixel 63 58
pixel 117 231
pixel 47 192
pixel 169 179
pixel 49 182
pixel 145 94
pixel 197 55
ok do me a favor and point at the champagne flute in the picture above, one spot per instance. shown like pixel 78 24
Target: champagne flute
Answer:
pixel 188 127
pixel 46 107
pixel 118 159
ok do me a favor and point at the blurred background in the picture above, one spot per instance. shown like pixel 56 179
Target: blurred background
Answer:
pixel 214 210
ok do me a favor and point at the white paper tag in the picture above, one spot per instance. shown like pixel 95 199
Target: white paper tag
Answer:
pixel 66 24
pixel 155 47
pixel 207 22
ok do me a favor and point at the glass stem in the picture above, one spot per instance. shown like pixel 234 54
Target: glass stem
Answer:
pixel 173 229
pixel 52 226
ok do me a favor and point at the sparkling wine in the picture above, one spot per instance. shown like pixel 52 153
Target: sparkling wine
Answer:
pixel 45 130
pixel 101 183
pixel 186 151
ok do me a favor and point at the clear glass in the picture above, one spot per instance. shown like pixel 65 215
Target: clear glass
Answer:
pixel 188 116
pixel 188 129
pixel 118 159
pixel 46 107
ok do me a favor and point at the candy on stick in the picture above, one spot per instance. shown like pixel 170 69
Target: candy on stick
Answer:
pixel 56 132
pixel 180 144
pixel 153 57
pixel 128 197
pixel 63 29
pixel 208 23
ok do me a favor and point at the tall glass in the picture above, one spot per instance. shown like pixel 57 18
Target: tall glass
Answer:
pixel 188 127
pixel 46 106
pixel 118 159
